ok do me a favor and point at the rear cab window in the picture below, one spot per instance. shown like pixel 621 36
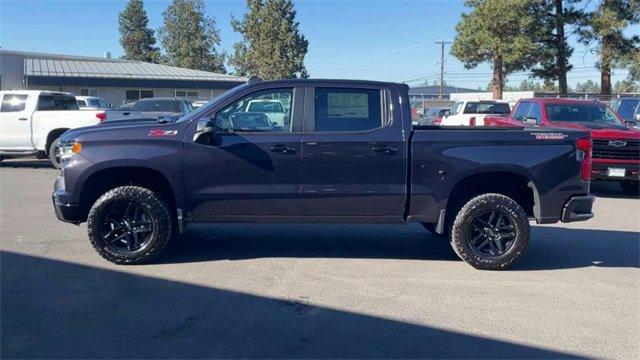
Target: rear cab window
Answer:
pixel 56 102
pixel 474 107
pixel 346 109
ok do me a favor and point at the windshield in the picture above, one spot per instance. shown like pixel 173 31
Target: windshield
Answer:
pixel 627 108
pixel 266 107
pixel 487 108
pixel 157 105
pixel 211 103
pixel 581 113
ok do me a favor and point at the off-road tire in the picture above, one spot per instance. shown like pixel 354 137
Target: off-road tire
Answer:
pixel 160 218
pixel 460 232
pixel 630 188
pixel 53 150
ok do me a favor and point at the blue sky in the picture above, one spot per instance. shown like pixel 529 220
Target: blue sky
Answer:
pixel 361 39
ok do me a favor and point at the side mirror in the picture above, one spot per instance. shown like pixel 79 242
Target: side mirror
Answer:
pixel 638 117
pixel 205 131
pixel 530 121
pixel 446 113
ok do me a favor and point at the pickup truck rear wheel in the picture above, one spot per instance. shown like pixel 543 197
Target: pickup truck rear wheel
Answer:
pixel 490 232
pixel 54 157
pixel 129 225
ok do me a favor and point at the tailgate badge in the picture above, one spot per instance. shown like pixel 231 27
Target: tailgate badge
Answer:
pixel 159 132
pixel 549 136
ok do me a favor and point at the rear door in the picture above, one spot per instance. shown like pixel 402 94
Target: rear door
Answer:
pixel 249 166
pixel 353 153
pixel 15 122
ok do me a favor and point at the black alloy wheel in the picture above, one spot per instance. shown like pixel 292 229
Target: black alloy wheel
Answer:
pixel 127 227
pixel 492 233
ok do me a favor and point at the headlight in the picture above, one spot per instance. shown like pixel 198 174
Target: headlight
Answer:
pixel 66 150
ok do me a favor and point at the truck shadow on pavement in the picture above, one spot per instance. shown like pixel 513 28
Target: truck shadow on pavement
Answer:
pixel 550 248
pixel 55 309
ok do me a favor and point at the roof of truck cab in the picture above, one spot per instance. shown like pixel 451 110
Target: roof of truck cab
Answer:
pixel 160 98
pixel 563 101
pixel 331 81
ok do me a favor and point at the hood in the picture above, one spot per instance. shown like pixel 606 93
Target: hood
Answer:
pixel 601 130
pixel 122 130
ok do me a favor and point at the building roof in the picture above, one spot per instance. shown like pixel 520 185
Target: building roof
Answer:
pixel 53 65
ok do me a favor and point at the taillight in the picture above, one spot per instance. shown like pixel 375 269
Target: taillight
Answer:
pixel 472 121
pixel 584 146
pixel 102 116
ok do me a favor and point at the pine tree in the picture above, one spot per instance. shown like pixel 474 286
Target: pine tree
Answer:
pixel 136 38
pixel 499 32
pixel 604 28
pixel 554 64
pixel 272 46
pixel 587 87
pixel 190 38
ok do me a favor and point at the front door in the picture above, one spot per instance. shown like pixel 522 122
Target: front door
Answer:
pixel 353 155
pixel 250 165
pixel 15 123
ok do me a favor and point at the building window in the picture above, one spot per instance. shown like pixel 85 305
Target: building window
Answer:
pixel 185 94
pixel 88 92
pixel 134 95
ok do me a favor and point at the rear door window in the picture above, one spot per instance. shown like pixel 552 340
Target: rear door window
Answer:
pixel 340 109
pixel 13 103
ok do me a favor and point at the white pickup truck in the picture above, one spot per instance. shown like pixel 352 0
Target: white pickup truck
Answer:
pixel 473 112
pixel 31 121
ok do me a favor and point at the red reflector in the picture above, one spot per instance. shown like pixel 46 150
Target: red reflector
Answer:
pixel 101 116
pixel 472 121
pixel 585 145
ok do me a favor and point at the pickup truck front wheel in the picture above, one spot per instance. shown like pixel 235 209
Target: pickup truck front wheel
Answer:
pixel 490 232
pixel 129 225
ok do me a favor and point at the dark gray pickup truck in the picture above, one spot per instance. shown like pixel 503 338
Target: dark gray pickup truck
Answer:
pixel 343 151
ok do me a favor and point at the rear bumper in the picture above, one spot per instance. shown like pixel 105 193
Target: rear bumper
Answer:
pixel 578 208
pixel 600 171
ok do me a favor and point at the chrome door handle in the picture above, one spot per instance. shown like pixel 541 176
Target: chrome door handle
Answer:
pixel 22 119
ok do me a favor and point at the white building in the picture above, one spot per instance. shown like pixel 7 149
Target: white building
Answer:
pixel 115 80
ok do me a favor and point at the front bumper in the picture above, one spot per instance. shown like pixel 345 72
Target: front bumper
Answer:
pixel 65 210
pixel 578 208
pixel 600 171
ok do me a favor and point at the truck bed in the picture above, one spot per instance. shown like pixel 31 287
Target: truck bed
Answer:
pixel 442 156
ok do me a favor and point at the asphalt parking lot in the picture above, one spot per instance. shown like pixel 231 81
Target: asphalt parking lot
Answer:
pixel 313 291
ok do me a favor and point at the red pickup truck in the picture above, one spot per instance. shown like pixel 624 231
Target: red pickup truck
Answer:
pixel 616 147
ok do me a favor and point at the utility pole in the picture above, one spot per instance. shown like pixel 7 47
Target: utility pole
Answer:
pixel 442 44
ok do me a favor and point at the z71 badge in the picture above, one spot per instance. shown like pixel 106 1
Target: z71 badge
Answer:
pixel 549 136
pixel 158 132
